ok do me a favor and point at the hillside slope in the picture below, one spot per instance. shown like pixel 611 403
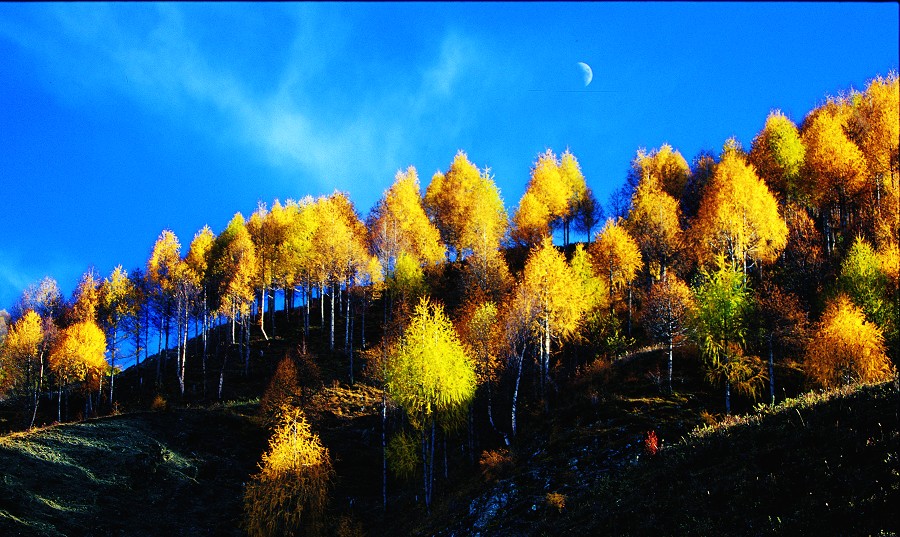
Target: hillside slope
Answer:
pixel 824 464
pixel 148 473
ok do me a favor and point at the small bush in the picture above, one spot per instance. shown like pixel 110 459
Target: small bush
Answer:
pixel 493 463
pixel 290 493
pixel 348 527
pixel 557 501
pixel 283 390
pixel 159 403
pixel 651 443
pixel 403 455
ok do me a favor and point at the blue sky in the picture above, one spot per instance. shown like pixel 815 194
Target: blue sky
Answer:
pixel 120 120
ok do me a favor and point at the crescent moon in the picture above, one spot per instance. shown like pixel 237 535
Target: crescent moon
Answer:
pixel 586 72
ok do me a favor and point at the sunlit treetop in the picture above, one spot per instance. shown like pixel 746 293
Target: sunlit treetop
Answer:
pixel 398 224
pixel 834 164
pixel 738 217
pixel 665 166
pixel 778 155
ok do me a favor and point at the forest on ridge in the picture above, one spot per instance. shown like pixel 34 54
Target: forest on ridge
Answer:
pixel 777 265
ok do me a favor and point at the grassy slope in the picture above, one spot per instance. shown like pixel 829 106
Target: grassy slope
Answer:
pixel 814 465
pixel 162 473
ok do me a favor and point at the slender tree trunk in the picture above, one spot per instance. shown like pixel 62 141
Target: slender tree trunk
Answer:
pixel 383 450
pixel 183 360
pixel 771 372
pixel 224 362
pixel 362 331
pixel 516 391
pixel 728 397
pixel 112 363
pixel 546 381
pixel 322 306
pixel 350 341
pixel 245 325
pixel 331 329
pixel 670 366
pixel 629 310
pixel 262 312
pixel 347 320
pixel 205 342
pixel 168 326
pixel 37 390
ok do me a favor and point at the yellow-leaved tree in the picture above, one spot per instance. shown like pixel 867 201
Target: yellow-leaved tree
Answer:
pixel 197 264
pixel 115 306
pixel 79 356
pixel 777 153
pixel 666 165
pixel 480 329
pixel 668 311
pixel 738 217
pixel 617 259
pixel 290 493
pixel 22 360
pixel 232 268
pixel 429 374
pixel 846 348
pixel 557 301
pixel 655 223
pixel 465 205
pixel 834 167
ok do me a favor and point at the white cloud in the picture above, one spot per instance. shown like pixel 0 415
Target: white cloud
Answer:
pixel 331 135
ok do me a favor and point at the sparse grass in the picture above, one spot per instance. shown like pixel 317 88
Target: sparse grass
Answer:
pixel 143 473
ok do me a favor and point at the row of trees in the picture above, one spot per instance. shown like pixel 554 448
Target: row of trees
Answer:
pixel 738 250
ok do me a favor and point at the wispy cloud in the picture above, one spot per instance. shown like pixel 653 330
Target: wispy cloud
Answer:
pixel 152 56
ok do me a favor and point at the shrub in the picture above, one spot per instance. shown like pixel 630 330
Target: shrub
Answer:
pixel 493 463
pixel 159 403
pixel 403 455
pixel 556 500
pixel 289 494
pixel 651 443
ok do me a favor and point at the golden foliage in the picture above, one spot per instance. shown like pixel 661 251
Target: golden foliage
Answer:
pixel 593 288
pixel 339 242
pixel 465 205
pixel 283 390
pixel 556 501
pixel 398 224
pixel 429 371
pixel 778 155
pixel 159 403
pixel 738 216
pixel 480 330
pixel 163 267
pixel 665 166
pixel 834 164
pixel 290 493
pixel 79 354
pixel 557 300
pixel 616 255
pixel 655 223
pixel 21 350
pixel 233 260
pixel 531 221
pixel 880 141
pixel 845 348
pixel 197 258
pixel 668 308
pixel 87 298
